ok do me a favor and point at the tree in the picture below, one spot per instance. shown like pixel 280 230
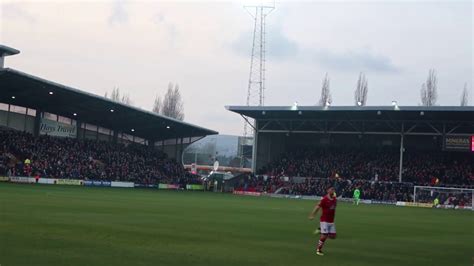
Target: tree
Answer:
pixel 465 96
pixel 360 94
pixel 115 96
pixel 172 105
pixel 325 92
pixel 429 90
pixel 126 99
pixel 157 106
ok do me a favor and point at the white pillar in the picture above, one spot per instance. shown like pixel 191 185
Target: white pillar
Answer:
pixel 254 148
pixel 414 193
pixel 402 148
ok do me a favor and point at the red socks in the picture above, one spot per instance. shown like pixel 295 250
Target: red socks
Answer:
pixel 321 243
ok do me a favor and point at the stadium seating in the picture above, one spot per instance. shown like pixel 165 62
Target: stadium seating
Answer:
pixel 374 172
pixel 419 167
pixel 22 154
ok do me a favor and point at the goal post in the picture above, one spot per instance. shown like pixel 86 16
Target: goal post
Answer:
pixel 448 197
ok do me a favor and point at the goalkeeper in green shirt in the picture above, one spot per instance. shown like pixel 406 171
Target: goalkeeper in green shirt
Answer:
pixel 356 196
pixel 435 203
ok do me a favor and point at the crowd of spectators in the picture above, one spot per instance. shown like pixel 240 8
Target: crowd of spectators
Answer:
pixel 375 173
pixel 422 168
pixel 451 168
pixel 301 172
pixel 22 154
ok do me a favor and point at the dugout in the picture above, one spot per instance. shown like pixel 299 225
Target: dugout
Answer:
pixel 43 107
pixel 278 129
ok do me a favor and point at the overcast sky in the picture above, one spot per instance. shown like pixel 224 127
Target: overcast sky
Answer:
pixel 205 48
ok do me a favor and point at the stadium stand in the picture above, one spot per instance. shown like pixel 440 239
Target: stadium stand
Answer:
pixel 54 131
pixel 67 158
pixel 383 150
pixel 421 168
pixel 374 173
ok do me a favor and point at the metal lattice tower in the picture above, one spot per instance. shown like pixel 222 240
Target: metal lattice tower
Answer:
pixel 256 85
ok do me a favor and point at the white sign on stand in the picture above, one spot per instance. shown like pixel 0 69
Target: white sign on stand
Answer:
pixel 57 129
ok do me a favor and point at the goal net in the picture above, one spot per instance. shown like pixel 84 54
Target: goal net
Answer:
pixel 447 197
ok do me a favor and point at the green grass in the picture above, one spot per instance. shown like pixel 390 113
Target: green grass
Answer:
pixel 58 225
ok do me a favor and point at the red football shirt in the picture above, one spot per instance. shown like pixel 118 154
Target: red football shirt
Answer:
pixel 329 209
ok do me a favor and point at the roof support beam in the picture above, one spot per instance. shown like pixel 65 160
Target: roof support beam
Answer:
pixel 353 126
pixel 267 123
pixel 433 127
pixel 248 122
pixel 282 125
pixel 454 128
pixel 337 124
pixel 411 128
pixel 357 132
pixel 301 124
pixel 366 127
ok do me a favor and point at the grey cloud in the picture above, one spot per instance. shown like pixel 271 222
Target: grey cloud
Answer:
pixel 281 47
pixel 278 45
pixel 119 14
pixel 355 60
pixel 16 11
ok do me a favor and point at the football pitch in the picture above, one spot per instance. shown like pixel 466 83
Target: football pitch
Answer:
pixel 66 225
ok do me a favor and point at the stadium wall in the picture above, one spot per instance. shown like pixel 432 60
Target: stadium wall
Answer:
pixel 3 118
pixel 90 135
pixel 174 149
pixel 269 147
pixel 94 183
pixel 18 121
